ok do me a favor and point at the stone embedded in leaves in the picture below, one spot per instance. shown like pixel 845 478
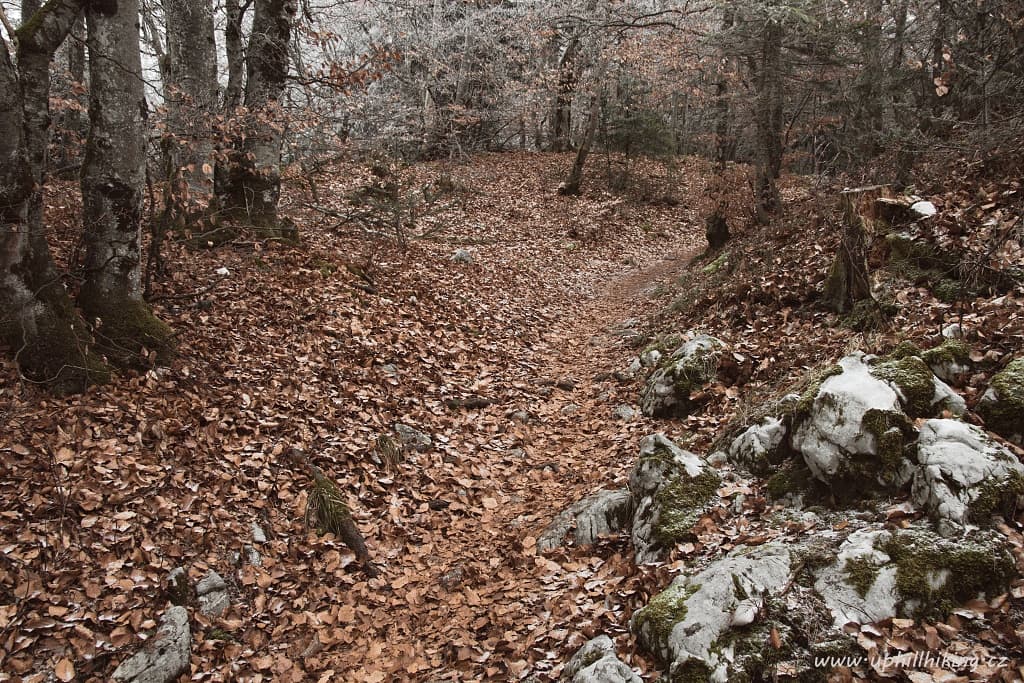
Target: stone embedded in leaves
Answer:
pixel 164 657
pixel 964 476
pixel 690 367
pixel 600 514
pixel 596 662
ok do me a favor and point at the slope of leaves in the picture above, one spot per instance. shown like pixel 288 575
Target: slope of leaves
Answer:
pixel 104 493
pixel 507 361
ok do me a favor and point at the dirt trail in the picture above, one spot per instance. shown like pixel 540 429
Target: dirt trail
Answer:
pixel 571 445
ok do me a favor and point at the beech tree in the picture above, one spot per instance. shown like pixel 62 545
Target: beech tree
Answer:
pixel 248 184
pixel 189 73
pixel 37 319
pixel 113 180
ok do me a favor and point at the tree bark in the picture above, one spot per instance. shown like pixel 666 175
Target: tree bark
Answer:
pixel 191 93
pixel 249 187
pixel 113 180
pixel 769 121
pixel 235 50
pixel 716 225
pixel 574 182
pixel 561 116
pixel 849 282
pixel 37 320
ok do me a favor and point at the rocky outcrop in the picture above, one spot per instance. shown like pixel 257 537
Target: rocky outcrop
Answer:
pixel 684 625
pixel 165 656
pixel 1002 405
pixel 713 624
pixel 668 390
pixel 596 662
pixel 855 429
pixel 671 488
pixel 855 432
pixel 964 477
pixel 600 514
pixel 866 426
pixel 757 449
pixel 911 573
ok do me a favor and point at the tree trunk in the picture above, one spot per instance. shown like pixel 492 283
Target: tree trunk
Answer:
pixel 113 179
pixel 191 92
pixel 37 320
pixel 849 281
pixel 561 116
pixel 769 121
pixel 250 186
pixel 716 225
pixel 573 183
pixel 235 50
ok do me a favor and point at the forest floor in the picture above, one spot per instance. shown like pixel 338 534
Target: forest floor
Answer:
pixel 507 361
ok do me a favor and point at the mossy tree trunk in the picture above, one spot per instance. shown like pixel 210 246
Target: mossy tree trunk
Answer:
pixel 849 281
pixel 37 320
pixel 248 186
pixel 113 179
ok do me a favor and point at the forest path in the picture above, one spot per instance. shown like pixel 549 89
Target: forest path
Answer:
pixel 572 444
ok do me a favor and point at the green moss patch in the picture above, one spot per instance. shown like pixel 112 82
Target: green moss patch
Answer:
pixel 129 331
pixel 656 620
pixel 997 496
pixel 934 574
pixel 861 573
pixel 680 502
pixel 794 477
pixel 915 382
pixel 949 352
pixel 1005 415
pixel 801 409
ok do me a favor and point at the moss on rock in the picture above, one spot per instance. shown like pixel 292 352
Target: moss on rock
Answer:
pixel 949 352
pixel 1002 407
pixel 914 380
pixel 997 496
pixel 794 477
pixel 655 621
pixel 800 409
pixel 934 574
pixel 861 573
pixel 681 501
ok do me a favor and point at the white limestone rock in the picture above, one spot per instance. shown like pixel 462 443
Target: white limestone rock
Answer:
pixel 212 595
pixel 964 476
pixel 684 625
pixel 847 420
pixel 165 656
pixel 755 448
pixel 596 662
pixel 671 489
pixel 842 596
pixel 602 513
pixel 688 368
pixel 910 573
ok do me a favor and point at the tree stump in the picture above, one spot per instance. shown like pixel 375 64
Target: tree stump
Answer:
pixel 849 281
